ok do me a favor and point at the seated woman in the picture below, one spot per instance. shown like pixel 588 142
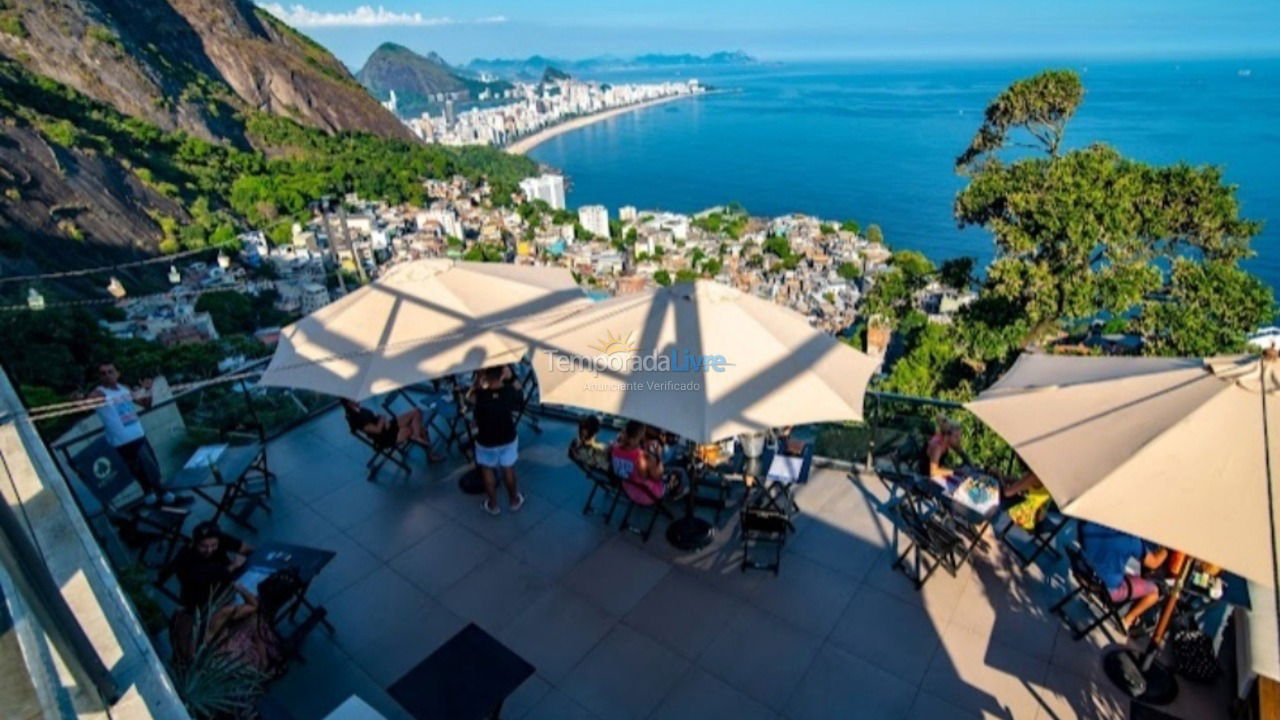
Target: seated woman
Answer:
pixel 207 567
pixel 1024 498
pixel 639 463
pixel 243 630
pixel 947 439
pixel 388 430
pixel 1109 552
pixel 586 449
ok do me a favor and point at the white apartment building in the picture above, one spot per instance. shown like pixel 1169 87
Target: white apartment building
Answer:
pixel 595 218
pixel 548 188
pixel 627 213
pixel 313 297
pixel 447 219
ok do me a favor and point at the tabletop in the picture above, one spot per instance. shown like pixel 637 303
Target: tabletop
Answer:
pixel 1235 590
pixel 272 556
pixel 231 463
pixel 977 503
pixel 467 677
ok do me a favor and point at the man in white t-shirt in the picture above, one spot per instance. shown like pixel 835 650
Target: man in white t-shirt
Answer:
pixel 123 429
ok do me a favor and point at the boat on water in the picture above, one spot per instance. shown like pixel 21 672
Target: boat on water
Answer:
pixel 1244 72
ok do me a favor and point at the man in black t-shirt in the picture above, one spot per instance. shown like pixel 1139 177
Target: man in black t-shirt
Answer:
pixel 497 399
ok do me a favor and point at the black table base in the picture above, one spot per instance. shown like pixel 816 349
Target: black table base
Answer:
pixel 690 533
pixel 471 482
pixel 1154 686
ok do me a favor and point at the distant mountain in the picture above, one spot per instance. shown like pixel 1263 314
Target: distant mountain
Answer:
pixel 554 74
pixel 736 57
pixel 419 80
pixel 531 69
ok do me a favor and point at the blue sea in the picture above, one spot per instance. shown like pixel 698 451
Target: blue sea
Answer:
pixel 876 141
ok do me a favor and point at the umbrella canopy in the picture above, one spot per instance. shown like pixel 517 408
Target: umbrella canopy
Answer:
pixel 1173 450
pixel 701 360
pixel 423 319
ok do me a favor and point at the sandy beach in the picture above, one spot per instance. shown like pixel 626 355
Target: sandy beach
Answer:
pixel 525 144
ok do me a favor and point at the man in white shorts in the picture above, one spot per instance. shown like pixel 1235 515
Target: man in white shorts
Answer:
pixel 497 399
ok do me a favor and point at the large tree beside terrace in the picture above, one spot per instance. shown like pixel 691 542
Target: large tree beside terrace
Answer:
pixel 1083 234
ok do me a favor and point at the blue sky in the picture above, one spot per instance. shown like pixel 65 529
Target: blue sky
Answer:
pixel 805 29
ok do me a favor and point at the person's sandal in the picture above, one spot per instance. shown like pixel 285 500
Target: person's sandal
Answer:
pixel 491 509
pixel 519 502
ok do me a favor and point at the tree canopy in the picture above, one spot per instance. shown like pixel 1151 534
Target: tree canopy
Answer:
pixel 1040 105
pixel 1079 235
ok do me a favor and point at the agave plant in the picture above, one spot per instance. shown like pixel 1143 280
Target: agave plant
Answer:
pixel 214 683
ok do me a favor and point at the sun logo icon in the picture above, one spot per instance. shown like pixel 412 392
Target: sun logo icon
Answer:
pixel 612 344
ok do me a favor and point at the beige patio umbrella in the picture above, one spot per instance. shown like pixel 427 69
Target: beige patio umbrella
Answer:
pixel 1173 450
pixel 1177 451
pixel 421 320
pixel 701 360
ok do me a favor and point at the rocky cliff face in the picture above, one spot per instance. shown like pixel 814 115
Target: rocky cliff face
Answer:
pixel 189 64
pixel 71 193
pixel 417 79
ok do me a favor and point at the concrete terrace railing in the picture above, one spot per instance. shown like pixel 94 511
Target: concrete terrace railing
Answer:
pixel 82 648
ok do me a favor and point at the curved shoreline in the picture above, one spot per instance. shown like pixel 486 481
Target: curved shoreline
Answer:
pixel 527 143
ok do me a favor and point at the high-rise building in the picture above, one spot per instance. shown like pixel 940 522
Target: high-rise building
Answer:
pixel 595 218
pixel 547 188
pixel 450 118
pixel 627 213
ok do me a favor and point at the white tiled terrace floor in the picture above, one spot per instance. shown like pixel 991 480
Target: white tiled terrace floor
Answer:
pixel 618 628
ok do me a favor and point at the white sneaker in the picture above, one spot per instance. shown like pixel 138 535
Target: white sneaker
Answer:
pixel 518 503
pixel 491 509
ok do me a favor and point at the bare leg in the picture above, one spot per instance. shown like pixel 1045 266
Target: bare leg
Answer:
pixel 1140 606
pixel 412 420
pixel 490 485
pixel 509 479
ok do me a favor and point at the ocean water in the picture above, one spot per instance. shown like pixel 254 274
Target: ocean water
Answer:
pixel 876 142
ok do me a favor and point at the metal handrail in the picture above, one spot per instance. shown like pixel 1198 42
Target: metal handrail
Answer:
pixel 256 367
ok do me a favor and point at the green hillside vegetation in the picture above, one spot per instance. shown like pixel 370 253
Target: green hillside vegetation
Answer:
pixel 223 188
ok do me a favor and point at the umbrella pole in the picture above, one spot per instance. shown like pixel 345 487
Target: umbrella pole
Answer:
pixel 691 532
pixel 1269 357
pixel 1143 677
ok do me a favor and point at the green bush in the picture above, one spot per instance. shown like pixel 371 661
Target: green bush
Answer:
pixel 11 24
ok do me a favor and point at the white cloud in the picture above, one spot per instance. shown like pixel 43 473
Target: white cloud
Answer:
pixel 299 15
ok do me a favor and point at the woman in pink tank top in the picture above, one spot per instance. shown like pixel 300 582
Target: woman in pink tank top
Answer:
pixel 639 469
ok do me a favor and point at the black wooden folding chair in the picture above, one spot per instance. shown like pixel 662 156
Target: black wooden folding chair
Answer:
pixel 766 521
pixel 528 396
pixel 933 542
pixel 148 530
pixel 430 419
pixel 1042 537
pixel 657 506
pixel 252 490
pixel 1095 597
pixel 602 483
pixel 382 453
